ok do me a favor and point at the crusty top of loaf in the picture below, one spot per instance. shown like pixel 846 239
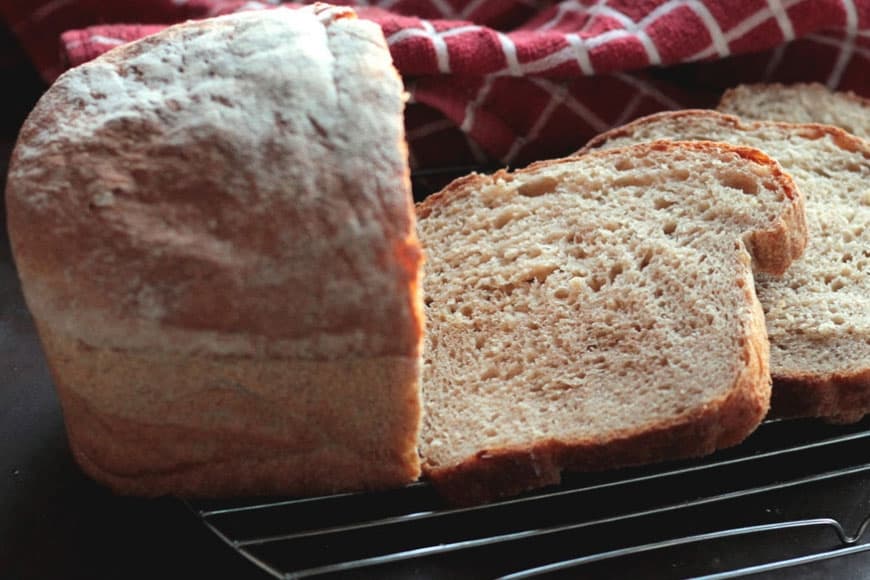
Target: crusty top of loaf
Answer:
pixel 232 185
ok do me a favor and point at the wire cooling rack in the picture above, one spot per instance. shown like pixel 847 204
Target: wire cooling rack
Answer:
pixel 794 497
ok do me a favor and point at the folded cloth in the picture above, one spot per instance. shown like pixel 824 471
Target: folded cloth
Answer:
pixel 509 81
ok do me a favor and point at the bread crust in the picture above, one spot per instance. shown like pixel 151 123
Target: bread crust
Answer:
pixel 224 268
pixel 271 426
pixel 839 397
pixel 506 471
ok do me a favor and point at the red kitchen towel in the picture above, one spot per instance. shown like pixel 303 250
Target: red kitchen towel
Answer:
pixel 508 81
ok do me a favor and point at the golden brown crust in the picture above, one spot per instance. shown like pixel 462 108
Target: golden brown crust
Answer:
pixel 453 190
pixel 839 397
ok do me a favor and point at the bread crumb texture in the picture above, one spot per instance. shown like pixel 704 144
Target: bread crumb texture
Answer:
pixel 818 313
pixel 584 303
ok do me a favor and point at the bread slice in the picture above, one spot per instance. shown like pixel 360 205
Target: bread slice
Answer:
pixel 818 315
pixel 596 312
pixel 799 103
pixel 218 245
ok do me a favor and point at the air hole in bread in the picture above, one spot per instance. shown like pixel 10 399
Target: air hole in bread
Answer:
pixel 318 127
pixel 513 372
pixel 578 252
pixel 538 187
pixel 222 100
pixel 660 203
pixel 670 227
pixel 596 283
pixel 647 258
pixel 746 183
pixel 507 216
pixel 636 180
pixel 615 271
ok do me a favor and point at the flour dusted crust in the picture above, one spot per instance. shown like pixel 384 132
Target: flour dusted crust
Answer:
pixel 544 353
pixel 215 235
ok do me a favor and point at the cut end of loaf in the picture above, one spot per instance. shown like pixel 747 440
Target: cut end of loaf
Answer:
pixel 597 311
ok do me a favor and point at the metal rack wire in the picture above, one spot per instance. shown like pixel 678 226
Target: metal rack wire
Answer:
pixel 795 494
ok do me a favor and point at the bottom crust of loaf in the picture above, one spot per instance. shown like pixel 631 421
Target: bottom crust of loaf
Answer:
pixel 839 398
pixel 150 423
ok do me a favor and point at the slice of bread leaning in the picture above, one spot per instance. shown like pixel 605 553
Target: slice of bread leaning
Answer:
pixel 599 311
pixel 818 315
pixel 799 103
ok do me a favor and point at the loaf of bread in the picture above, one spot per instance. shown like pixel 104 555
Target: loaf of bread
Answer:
pixel 599 311
pixel 799 103
pixel 818 314
pixel 216 238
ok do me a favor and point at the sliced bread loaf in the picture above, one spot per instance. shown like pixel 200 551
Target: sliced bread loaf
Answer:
pixel 800 103
pixel 818 315
pixel 599 311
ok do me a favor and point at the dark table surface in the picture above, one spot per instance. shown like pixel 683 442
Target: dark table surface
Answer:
pixel 54 521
